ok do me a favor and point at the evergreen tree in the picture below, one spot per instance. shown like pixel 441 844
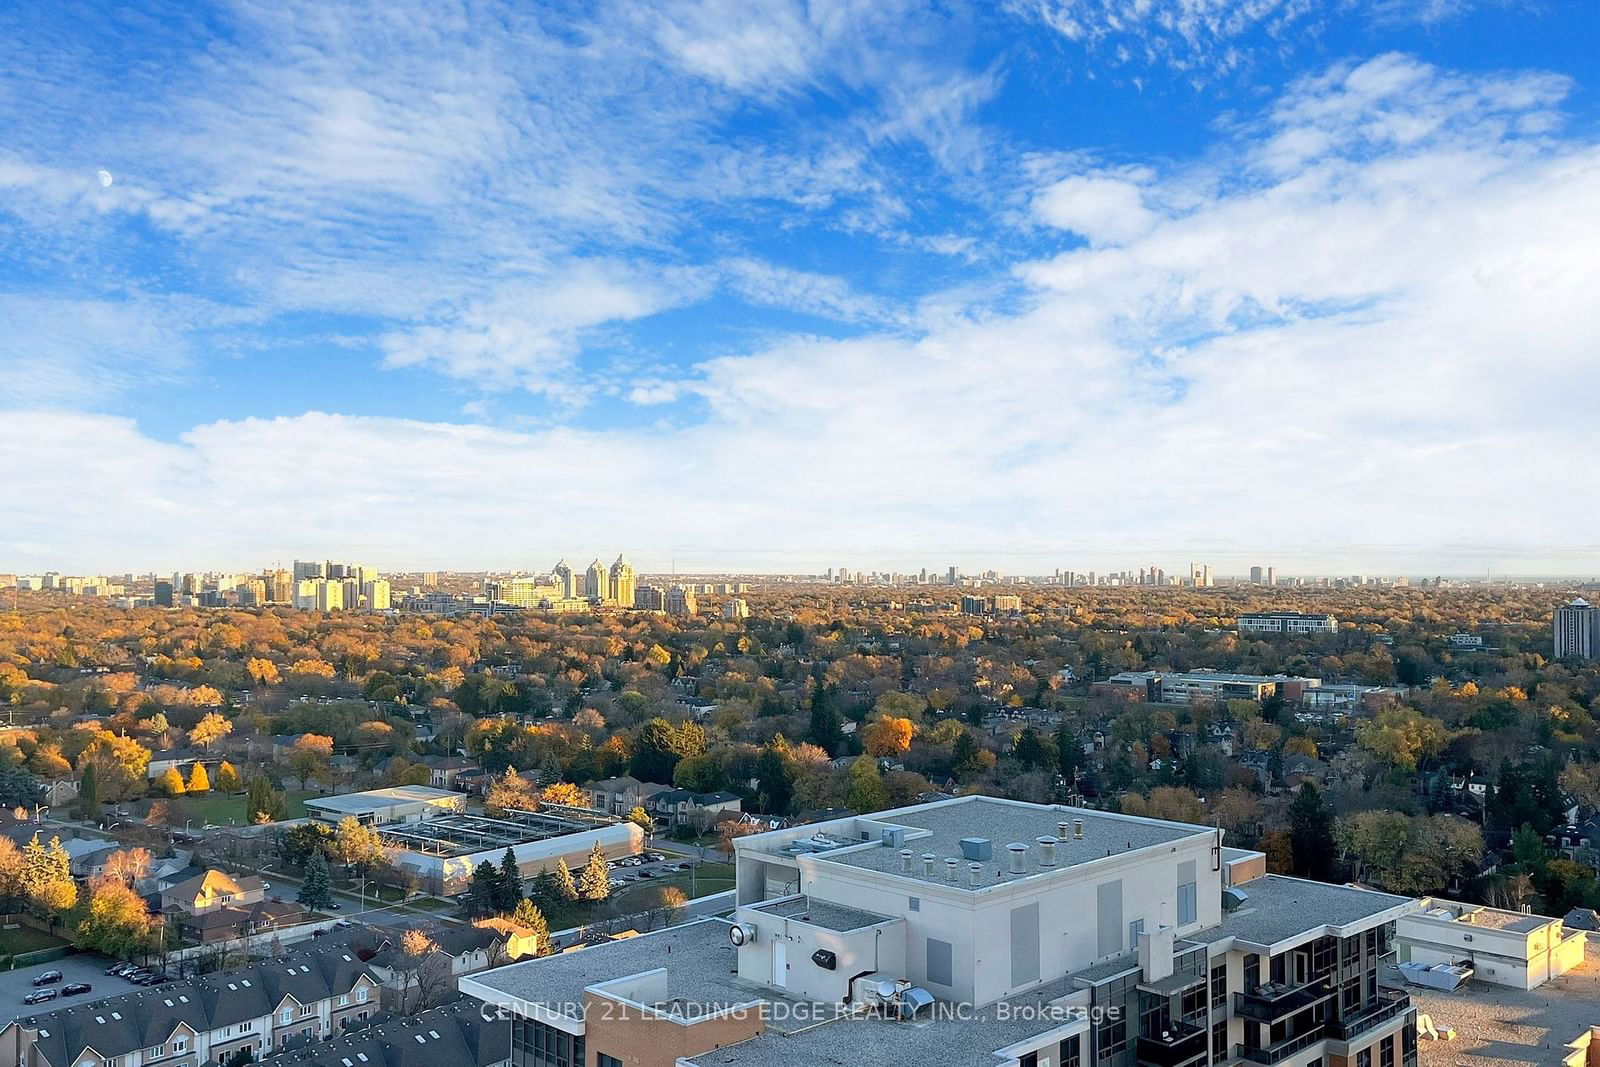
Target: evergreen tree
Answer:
pixel 775 782
pixel 545 892
pixel 88 803
pixel 566 889
pixel 510 884
pixel 316 892
pixel 594 884
pixel 227 778
pixel 483 893
pixel 1311 833
pixel 45 878
pixel 826 730
pixel 1069 752
pixel 530 918
pixel 264 803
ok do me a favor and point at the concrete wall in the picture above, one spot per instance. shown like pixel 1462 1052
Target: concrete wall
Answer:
pixel 876 948
pixel 978 925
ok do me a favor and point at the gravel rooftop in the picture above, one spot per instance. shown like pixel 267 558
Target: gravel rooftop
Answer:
pixel 1500 1027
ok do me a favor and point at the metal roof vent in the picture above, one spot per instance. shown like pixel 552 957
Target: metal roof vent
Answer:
pixel 905 861
pixel 1063 829
pixel 1019 857
pixel 950 866
pixel 927 864
pixel 974 873
pixel 977 849
pixel 1047 851
pixel 1232 898
pixel 1077 829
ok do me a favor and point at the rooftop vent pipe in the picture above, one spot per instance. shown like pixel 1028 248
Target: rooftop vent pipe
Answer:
pixel 975 874
pixel 905 861
pixel 1047 851
pixel 1019 857
pixel 1063 830
pixel 927 864
pixel 1077 829
pixel 950 866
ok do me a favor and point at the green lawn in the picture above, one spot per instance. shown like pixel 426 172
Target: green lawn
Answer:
pixel 226 809
pixel 26 939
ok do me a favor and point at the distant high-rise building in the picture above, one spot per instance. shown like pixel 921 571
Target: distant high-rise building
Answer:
pixel 681 601
pixel 163 594
pixel 1272 576
pixel 568 579
pixel 736 609
pixel 314 568
pixel 375 595
pixel 649 598
pixel 597 582
pixel 330 596
pixel 1255 575
pixel 954 576
pixel 623 582
pixel 1577 630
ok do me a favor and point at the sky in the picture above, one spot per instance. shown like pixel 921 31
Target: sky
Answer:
pixel 778 286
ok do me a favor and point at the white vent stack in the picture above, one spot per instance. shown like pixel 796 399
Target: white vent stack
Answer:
pixel 1077 829
pixel 1019 857
pixel 1047 851
pixel 927 864
pixel 1063 830
pixel 950 866
pixel 975 873
pixel 905 861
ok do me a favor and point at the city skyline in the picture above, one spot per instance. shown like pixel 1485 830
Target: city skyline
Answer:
pixel 1023 285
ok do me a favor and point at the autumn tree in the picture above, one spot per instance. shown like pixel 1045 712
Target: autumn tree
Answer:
pixel 211 728
pixel 309 756
pixel 425 975
pixel 563 793
pixel 171 782
pixel 510 791
pixel 128 866
pixel 116 923
pixel 867 792
pixel 199 780
pixel 228 778
pixel 264 804
pixel 358 845
pixel 888 736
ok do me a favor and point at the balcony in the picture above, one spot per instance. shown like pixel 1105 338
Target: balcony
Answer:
pixel 1283 1049
pixel 1178 1045
pixel 1388 1004
pixel 1273 1003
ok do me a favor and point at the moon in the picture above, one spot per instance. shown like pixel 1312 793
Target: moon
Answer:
pixel 105 178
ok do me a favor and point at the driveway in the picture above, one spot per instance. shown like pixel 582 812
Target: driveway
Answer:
pixel 14 985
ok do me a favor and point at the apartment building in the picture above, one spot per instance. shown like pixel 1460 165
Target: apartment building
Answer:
pixel 1286 622
pixel 209 1019
pixel 986 932
pixel 1577 630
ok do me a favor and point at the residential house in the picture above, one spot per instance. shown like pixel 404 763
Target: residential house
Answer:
pixel 258 1008
pixel 683 807
pixel 618 796
pixel 443 770
pixel 210 891
pixel 456 1035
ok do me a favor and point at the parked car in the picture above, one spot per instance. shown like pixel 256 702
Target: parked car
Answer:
pixel 47 978
pixel 72 989
pixel 118 969
pixel 344 924
pixel 646 874
pixel 39 996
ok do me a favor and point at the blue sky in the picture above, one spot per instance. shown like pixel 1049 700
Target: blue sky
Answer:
pixel 1030 284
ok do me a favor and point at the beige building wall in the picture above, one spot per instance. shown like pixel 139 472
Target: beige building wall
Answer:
pixel 640 1038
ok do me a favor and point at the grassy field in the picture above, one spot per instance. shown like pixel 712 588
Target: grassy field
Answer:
pixel 638 896
pixel 26 939
pixel 226 809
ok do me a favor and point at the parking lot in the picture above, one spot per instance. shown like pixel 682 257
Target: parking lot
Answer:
pixel 14 985
pixel 638 868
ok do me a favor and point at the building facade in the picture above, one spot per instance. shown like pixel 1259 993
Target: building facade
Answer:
pixel 1286 622
pixel 1577 630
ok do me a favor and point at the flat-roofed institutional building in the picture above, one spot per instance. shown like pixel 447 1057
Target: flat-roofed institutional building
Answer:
pixel 985 932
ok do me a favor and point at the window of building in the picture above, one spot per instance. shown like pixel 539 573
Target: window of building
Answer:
pixel 534 1044
pixel 1135 928
pixel 1364 1058
pixel 1111 1040
pixel 1072 1051
pixel 1386 1052
pixel 1219 1040
pixel 1028 1059
pixel 1252 972
pixel 361 995
pixel 1187 903
pixel 1219 984
pixel 1193 1004
pixel 602 1060
pixel 915 903
pixel 344 1000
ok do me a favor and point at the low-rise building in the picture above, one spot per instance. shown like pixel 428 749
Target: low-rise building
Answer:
pixel 380 807
pixel 1007 933
pixel 1286 622
pixel 1501 947
pixel 455 1035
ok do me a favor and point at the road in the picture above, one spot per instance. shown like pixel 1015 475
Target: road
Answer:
pixel 84 967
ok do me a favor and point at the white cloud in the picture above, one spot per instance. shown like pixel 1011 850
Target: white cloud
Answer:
pixel 1104 209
